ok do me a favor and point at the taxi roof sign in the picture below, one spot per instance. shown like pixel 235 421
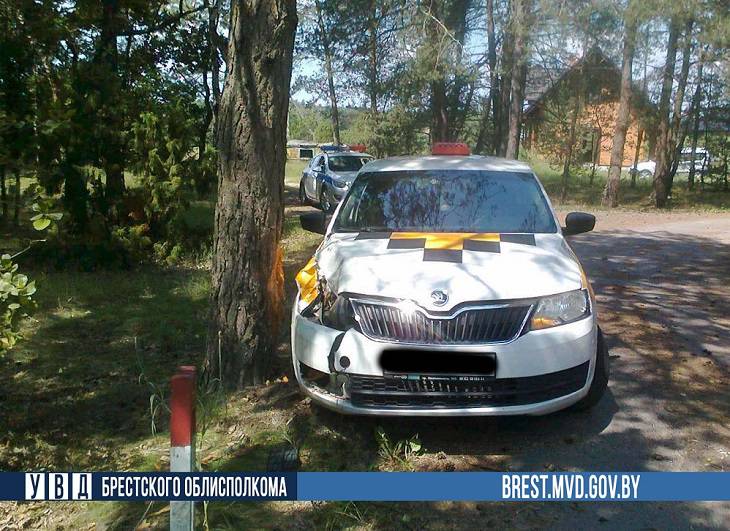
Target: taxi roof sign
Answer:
pixel 450 148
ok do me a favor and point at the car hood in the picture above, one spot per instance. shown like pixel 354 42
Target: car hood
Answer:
pixel 361 266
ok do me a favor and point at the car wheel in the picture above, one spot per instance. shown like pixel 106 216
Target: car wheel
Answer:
pixel 302 194
pixel 325 201
pixel 600 377
pixel 645 174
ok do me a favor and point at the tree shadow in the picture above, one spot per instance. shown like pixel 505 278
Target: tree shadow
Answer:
pixel 78 389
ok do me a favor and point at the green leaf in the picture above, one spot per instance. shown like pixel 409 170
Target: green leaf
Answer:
pixel 13 306
pixel 55 216
pixel 30 288
pixel 41 224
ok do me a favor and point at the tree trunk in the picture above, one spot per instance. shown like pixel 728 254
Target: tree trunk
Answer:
pixel 208 118
pixel 3 193
pixel 501 118
pixel 662 152
pixel 215 62
pixel 327 48
pixel 569 150
pixel 110 117
pixel 520 19
pixel 373 57
pixel 16 205
pixel 676 139
pixel 696 104
pixel 493 98
pixel 247 273
pixel 492 58
pixel 439 100
pixel 610 193
pixel 637 153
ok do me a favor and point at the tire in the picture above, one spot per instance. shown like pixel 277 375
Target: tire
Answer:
pixel 600 378
pixel 646 174
pixel 325 201
pixel 302 194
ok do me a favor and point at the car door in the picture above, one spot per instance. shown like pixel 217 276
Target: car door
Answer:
pixel 310 178
pixel 319 171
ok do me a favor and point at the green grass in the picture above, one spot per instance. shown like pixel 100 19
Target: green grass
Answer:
pixel 586 193
pixel 293 173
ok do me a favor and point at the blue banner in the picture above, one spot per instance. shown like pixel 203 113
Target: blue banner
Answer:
pixel 367 486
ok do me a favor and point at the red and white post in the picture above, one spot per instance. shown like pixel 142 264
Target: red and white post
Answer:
pixel 182 441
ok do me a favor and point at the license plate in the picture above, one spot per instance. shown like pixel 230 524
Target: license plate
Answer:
pixel 449 365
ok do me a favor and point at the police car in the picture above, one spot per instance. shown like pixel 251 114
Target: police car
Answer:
pixel 445 286
pixel 328 177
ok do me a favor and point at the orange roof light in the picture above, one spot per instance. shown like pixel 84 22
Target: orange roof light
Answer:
pixel 450 148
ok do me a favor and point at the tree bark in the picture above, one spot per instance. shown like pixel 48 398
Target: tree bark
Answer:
pixel 501 118
pixel 637 153
pixel 520 18
pixel 215 62
pixel 696 104
pixel 493 98
pixel 492 59
pixel 662 152
pixel 623 116
pixel 373 57
pixel 674 144
pixel 439 100
pixel 327 49
pixel 569 150
pixel 112 148
pixel 3 193
pixel 247 273
pixel 16 203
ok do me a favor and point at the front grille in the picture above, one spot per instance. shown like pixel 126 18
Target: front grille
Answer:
pixel 477 325
pixel 433 393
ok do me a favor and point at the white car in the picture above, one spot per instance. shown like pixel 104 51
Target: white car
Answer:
pixel 647 168
pixel 328 177
pixel 444 286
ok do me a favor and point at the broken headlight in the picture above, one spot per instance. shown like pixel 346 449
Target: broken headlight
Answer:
pixel 336 310
pixel 318 301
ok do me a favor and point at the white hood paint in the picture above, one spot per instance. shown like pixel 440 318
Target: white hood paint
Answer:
pixel 368 267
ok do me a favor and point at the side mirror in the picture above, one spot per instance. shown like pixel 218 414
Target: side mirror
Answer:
pixel 578 222
pixel 316 222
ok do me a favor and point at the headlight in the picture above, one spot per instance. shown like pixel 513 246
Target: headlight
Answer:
pixel 560 309
pixel 339 183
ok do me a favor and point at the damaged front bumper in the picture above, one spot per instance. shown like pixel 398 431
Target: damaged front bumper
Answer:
pixel 537 373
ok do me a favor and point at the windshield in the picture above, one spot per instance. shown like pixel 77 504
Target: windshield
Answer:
pixel 446 201
pixel 347 163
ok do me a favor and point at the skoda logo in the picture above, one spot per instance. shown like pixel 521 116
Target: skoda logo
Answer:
pixel 439 297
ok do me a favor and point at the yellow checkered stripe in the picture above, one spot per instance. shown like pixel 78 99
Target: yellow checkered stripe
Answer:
pixel 307 281
pixel 448 246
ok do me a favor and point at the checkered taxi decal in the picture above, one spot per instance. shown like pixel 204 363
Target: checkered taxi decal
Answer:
pixel 447 246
